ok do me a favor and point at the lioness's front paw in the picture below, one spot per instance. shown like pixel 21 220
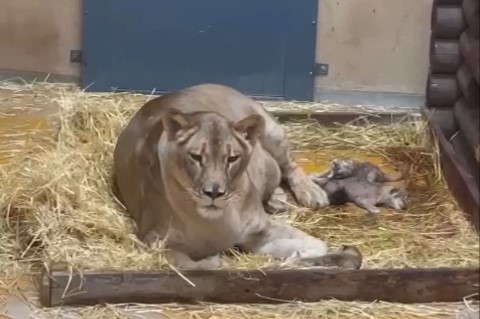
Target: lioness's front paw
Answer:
pixel 153 240
pixel 209 263
pixel 184 262
pixel 277 203
pixel 309 194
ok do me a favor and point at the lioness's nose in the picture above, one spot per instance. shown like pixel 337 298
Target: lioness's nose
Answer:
pixel 214 192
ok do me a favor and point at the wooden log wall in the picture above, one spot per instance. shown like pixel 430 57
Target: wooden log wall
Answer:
pixel 454 77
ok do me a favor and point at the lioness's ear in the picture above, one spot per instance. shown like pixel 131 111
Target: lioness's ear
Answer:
pixel 174 121
pixel 251 127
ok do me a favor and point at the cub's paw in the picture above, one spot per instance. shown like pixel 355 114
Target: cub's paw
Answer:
pixel 309 194
pixel 318 179
pixel 277 203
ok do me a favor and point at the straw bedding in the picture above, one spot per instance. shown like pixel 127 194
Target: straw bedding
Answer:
pixel 57 204
pixel 324 310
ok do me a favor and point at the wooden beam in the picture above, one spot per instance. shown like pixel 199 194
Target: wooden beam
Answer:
pixel 460 178
pixel 332 118
pixel 438 2
pixel 470 49
pixel 255 286
pixel 468 86
pixel 471 11
pixel 469 123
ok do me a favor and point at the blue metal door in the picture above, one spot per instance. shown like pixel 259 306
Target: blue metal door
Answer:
pixel 263 48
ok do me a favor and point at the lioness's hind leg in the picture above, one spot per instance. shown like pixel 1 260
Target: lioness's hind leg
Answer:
pixel 281 240
pixel 277 202
pixel 307 193
pixel 284 241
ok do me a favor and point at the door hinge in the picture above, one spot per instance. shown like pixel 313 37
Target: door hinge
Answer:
pixel 321 69
pixel 76 56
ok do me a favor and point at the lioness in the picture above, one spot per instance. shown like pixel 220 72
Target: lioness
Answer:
pixel 194 169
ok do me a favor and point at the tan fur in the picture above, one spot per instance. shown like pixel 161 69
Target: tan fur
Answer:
pixel 196 169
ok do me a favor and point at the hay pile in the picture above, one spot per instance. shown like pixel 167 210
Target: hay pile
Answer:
pixel 325 310
pixel 57 204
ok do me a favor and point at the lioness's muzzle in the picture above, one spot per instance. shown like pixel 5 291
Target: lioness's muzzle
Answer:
pixel 214 191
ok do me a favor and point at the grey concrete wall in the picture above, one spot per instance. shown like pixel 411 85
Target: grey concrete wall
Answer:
pixel 374 45
pixel 37 35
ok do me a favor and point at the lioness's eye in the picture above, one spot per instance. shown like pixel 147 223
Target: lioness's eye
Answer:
pixel 196 157
pixel 232 159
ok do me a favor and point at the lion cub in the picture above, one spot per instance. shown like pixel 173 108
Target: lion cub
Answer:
pixel 346 167
pixel 367 195
pixel 361 183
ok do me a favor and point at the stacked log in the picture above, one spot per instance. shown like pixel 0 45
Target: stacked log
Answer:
pixel 447 24
pixel 466 108
pixel 454 77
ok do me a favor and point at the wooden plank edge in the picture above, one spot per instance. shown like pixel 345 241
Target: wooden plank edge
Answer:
pixel 468 86
pixel 467 119
pixel 470 50
pixel 44 288
pixel 347 117
pixel 438 2
pixel 471 10
pixel 461 184
pixel 444 55
pixel 442 89
pixel 415 285
pixel 441 18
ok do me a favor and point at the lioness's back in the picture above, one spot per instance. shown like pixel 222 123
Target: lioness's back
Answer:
pixel 224 100
pixel 221 99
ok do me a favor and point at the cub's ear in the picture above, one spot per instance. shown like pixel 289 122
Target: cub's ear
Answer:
pixel 174 121
pixel 394 190
pixel 250 127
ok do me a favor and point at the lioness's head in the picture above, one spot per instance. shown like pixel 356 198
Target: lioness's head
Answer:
pixel 208 154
